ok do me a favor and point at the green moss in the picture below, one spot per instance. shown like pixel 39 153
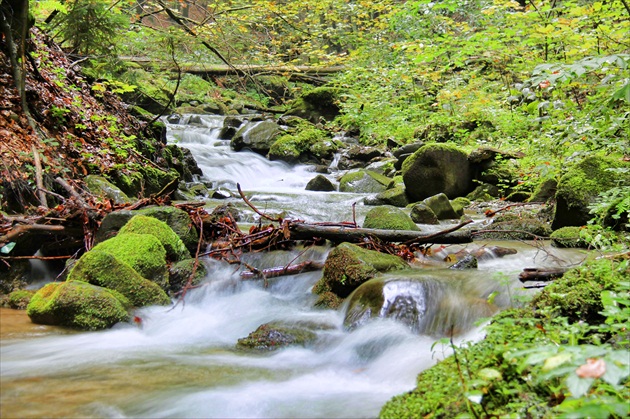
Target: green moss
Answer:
pixel 19 299
pixel 363 181
pixel 98 185
pixel 103 269
pixel 143 252
pixel 155 179
pixel 180 272
pixel 348 266
pixel 577 295
pixel 78 305
pixel 393 196
pixel 501 367
pixel 459 204
pixel 429 149
pixel 178 220
pixel 387 217
pixel 308 140
pixel 276 335
pixel 568 237
pixel 142 224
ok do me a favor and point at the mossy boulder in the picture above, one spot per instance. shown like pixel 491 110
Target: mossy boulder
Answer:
pixel 276 335
pixel 142 252
pixel 441 207
pixel 306 144
pixel 582 184
pixel 568 237
pixel 544 190
pixel 348 266
pixel 105 270
pixel 180 272
pixel 182 160
pixel 387 217
pixel 178 220
pixel 78 305
pixel 515 227
pixel 459 204
pixel 156 180
pixel 484 193
pixel 395 197
pixel 99 186
pixel 142 224
pixel 257 136
pixel 316 104
pixel 434 169
pixel 320 183
pixel 363 181
pixel 422 214
pixel 19 299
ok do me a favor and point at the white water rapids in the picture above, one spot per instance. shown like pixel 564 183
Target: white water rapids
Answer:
pixel 183 362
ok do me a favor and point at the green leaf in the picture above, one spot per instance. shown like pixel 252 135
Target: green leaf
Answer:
pixel 578 386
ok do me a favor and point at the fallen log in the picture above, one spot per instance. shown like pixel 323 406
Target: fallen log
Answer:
pixel 541 274
pixel 301 231
pixel 277 271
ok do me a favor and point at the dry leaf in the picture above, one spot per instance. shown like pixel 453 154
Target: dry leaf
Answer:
pixel 594 368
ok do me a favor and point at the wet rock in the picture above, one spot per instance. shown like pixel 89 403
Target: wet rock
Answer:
pixel 256 136
pixel 434 169
pixel 459 204
pixel 515 227
pixel 422 214
pixel 276 335
pixel 105 270
pixel 320 183
pixel 395 197
pixel 14 277
pixel 467 262
pixel 19 299
pixel 348 266
pixel 142 224
pixel 441 207
pixel 484 193
pixel 99 186
pixel 363 181
pixel 78 305
pixel 180 272
pixel 387 217
pixel 363 153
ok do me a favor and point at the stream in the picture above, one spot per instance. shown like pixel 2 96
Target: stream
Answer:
pixel 182 362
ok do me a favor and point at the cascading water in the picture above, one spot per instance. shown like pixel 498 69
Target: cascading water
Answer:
pixel 183 362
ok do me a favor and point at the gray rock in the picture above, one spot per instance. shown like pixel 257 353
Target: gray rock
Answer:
pixel 256 136
pixel 423 214
pixel 320 183
pixel 441 207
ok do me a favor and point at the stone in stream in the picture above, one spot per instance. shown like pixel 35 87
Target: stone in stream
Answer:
pixel 426 304
pixel 275 335
pixel 363 181
pixel 320 183
pixel 387 217
pixel 348 266
pixel 434 169
pixel 78 305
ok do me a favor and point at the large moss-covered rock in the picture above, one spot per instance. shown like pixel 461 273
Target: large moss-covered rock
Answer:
pixel 257 136
pixel 78 305
pixel 387 217
pixel 363 181
pixel 316 104
pixel 348 266
pixel 422 214
pixel 434 169
pixel 582 184
pixel 142 224
pixel 99 186
pixel 306 144
pixel 395 196
pixel 143 252
pixel 441 207
pixel 105 270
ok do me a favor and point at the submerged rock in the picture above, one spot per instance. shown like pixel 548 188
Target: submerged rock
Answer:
pixel 467 262
pixel 276 335
pixel 78 305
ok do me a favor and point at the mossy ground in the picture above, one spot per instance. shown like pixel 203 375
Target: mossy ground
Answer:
pixel 526 365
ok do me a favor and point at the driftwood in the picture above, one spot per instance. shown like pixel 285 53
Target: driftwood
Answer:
pixel 541 274
pixel 277 271
pixel 301 231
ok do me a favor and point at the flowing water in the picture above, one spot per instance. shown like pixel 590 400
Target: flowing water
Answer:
pixel 183 362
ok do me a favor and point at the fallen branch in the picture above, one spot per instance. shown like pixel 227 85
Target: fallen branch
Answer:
pixel 19 230
pixel 39 180
pixel 301 231
pixel 541 274
pixel 277 271
pixel 256 210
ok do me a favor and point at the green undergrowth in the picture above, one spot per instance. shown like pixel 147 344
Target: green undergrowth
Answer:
pixel 563 355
